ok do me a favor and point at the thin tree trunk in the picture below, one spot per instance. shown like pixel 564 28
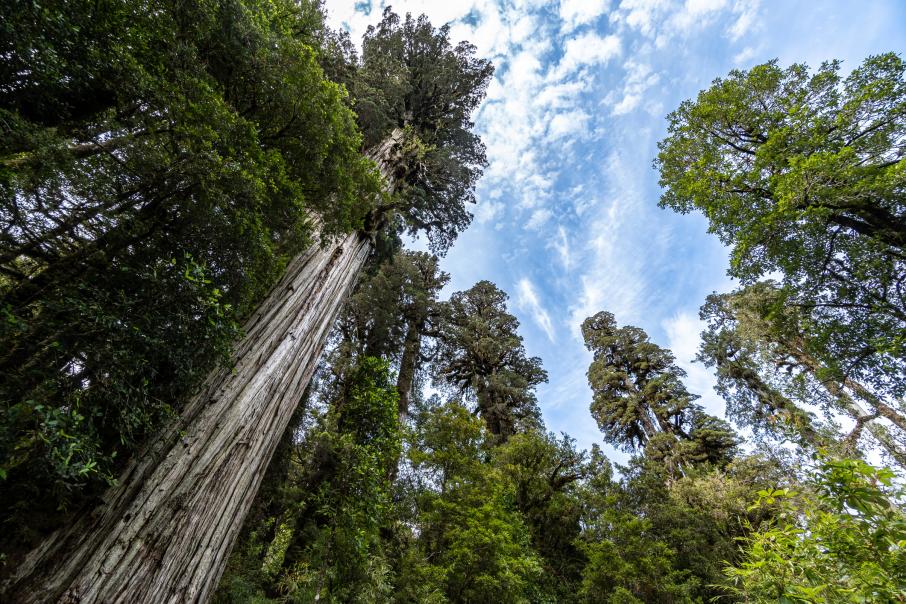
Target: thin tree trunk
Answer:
pixel 881 409
pixel 780 406
pixel 412 347
pixel 164 532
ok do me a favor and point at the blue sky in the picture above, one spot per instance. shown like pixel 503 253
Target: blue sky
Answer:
pixel 567 220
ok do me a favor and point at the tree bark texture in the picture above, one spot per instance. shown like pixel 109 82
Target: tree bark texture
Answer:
pixel 164 533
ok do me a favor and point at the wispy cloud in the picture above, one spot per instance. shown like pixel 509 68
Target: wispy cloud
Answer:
pixel 527 300
pixel 614 276
pixel 570 124
pixel 639 78
pixel 561 246
pixel 538 219
pixel 574 13
pixel 746 12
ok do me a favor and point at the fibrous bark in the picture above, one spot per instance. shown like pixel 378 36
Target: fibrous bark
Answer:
pixel 164 532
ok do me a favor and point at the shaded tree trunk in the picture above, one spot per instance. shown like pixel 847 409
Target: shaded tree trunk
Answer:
pixel 412 347
pixel 164 533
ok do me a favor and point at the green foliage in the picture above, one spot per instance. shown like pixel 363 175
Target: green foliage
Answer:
pixel 637 385
pixel 160 165
pixel 342 496
pixel 661 539
pixel 157 170
pixel 640 401
pixel 843 540
pixel 471 540
pixel 626 561
pixel 324 542
pixel 803 175
pixel 412 78
pixel 545 474
pixel 481 357
pixel 763 349
pixel 400 295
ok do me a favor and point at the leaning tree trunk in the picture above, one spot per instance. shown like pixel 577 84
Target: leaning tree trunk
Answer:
pixel 164 533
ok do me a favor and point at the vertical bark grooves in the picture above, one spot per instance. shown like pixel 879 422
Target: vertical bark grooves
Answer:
pixel 164 532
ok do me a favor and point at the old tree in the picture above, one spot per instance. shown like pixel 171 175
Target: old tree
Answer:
pixel 222 378
pixel 172 179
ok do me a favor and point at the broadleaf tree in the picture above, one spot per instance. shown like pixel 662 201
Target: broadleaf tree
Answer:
pixel 802 174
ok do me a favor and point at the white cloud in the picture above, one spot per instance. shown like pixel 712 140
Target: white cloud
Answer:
pixel 696 13
pixel 538 219
pixel 614 280
pixel 527 300
pixel 587 49
pixel 574 13
pixel 561 95
pixel 638 80
pixel 640 14
pixel 660 20
pixel 487 210
pixel 683 331
pixel 683 338
pixel 744 56
pixel 619 244
pixel 561 246
pixel 626 104
pixel 569 123
pixel 747 11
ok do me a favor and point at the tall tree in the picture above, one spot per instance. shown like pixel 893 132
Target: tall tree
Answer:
pixel 545 475
pixel 481 357
pixel 472 545
pixel 324 540
pixel 411 78
pixel 138 237
pixel 761 348
pixel 393 312
pixel 640 401
pixel 179 512
pixel 803 175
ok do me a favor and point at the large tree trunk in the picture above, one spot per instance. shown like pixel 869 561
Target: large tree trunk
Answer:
pixel 164 532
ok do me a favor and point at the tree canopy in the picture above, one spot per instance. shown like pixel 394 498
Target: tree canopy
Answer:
pixel 161 166
pixel 157 171
pixel 413 79
pixel 482 357
pixel 802 174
